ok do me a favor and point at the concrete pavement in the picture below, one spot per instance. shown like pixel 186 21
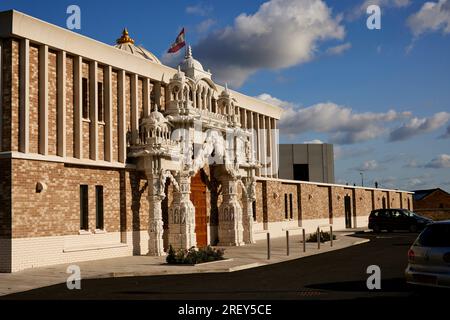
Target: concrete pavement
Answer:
pixel 239 258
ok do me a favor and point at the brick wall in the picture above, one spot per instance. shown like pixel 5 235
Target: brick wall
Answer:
pixel 52 104
pixel 436 205
pixel 56 211
pixel 70 147
pixel 34 99
pixel 10 85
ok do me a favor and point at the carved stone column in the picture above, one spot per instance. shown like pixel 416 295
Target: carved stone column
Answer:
pixel 155 223
pixel 249 198
pixel 230 214
pixel 182 216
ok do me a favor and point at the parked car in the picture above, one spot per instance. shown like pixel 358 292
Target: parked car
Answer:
pixel 429 257
pixel 396 219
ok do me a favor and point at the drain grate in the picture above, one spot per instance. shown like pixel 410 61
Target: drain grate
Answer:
pixel 310 293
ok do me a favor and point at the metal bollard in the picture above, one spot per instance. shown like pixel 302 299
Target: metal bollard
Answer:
pixel 318 238
pixel 331 235
pixel 287 242
pixel 268 246
pixel 304 240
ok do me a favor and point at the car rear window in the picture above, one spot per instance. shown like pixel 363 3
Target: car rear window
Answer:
pixel 435 235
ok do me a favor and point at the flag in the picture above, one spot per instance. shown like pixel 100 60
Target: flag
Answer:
pixel 178 44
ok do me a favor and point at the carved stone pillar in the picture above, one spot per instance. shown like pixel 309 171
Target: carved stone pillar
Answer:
pixel 249 198
pixel 155 223
pixel 182 216
pixel 230 214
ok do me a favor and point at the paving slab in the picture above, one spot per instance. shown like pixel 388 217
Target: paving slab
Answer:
pixel 239 258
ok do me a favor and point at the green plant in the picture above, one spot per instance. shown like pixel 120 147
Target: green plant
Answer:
pixel 193 255
pixel 324 236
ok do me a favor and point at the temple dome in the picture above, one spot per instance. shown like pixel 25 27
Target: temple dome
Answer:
pixel 189 62
pixel 125 43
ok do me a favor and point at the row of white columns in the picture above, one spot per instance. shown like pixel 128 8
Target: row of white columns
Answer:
pixel 24 108
pixel 265 141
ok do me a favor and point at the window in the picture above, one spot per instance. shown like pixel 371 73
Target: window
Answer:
pixel 99 225
pixel 301 172
pixel 286 216
pixel 85 101
pixel 291 212
pixel 101 112
pixel 254 210
pixel 84 207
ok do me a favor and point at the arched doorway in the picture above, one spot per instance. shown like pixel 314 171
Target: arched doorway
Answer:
pixel 198 198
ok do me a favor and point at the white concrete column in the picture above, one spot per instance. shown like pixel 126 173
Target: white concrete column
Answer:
pixel 78 105
pixel 24 108
pixel 269 147
pixel 157 92
pixel 257 141
pixel 134 109
pixel 275 149
pixel 61 109
pixel 108 113
pixel 93 110
pixel 122 118
pixel 248 199
pixel 263 145
pixel 146 94
pixel 43 99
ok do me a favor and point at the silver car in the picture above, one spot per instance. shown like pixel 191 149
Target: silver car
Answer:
pixel 429 257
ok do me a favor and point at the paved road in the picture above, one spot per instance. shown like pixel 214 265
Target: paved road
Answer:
pixel 337 275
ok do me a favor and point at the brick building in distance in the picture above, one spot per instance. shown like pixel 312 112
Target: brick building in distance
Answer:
pixel 106 152
pixel 433 203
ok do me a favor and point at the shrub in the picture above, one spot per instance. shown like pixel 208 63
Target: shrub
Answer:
pixel 193 255
pixel 324 236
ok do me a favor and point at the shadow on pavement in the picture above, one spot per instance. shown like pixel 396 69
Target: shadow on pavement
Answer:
pixel 387 285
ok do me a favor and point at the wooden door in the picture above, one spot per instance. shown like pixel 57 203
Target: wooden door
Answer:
pixel 198 198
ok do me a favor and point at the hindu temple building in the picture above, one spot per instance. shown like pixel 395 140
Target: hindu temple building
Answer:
pixel 106 152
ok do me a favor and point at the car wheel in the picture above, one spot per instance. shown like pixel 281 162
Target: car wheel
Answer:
pixel 376 228
pixel 413 228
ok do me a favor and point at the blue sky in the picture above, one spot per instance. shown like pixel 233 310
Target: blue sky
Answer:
pixel 381 96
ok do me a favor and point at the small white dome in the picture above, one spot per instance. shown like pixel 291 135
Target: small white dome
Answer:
pixel 125 43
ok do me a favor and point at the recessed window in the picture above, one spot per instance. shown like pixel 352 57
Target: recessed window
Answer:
pixel 286 213
pixel 99 220
pixel 84 207
pixel 101 112
pixel 291 211
pixel 85 99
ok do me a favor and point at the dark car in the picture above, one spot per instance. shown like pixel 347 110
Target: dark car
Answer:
pixel 397 219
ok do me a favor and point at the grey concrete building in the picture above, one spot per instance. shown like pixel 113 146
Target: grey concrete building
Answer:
pixel 307 162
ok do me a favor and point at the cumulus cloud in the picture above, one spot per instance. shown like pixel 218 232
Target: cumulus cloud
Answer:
pixel 446 135
pixel 360 10
pixel 343 124
pixel 205 25
pixel 417 126
pixel 281 34
pixel 339 49
pixel 315 141
pixel 440 162
pixel 200 9
pixel 370 165
pixel 432 16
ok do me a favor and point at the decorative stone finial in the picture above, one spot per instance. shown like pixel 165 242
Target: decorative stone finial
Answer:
pixel 125 38
pixel 188 52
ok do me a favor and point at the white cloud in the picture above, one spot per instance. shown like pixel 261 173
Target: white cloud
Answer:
pixel 343 124
pixel 432 16
pixel 315 141
pixel 341 152
pixel 446 135
pixel 281 34
pixel 360 10
pixel 417 126
pixel 370 165
pixel 337 50
pixel 441 161
pixel 205 25
pixel 200 9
